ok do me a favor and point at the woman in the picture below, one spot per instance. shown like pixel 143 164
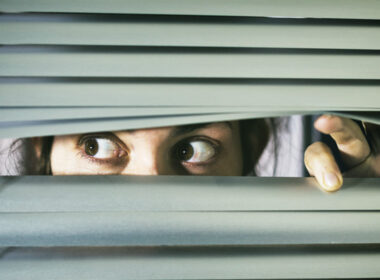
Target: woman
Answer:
pixel 220 149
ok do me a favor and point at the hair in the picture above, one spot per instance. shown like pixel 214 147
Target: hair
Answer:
pixel 254 134
pixel 32 155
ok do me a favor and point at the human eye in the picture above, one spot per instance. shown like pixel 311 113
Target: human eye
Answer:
pixel 101 149
pixel 196 151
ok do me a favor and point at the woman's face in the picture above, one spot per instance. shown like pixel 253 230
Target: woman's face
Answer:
pixel 203 149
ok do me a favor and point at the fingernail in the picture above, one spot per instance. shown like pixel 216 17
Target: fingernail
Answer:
pixel 332 181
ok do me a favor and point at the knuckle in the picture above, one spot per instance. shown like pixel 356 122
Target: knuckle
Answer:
pixel 340 122
pixel 316 155
pixel 316 149
pixel 312 153
pixel 356 145
pixel 337 122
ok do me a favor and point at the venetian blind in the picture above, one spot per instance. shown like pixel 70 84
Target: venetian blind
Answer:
pixel 82 66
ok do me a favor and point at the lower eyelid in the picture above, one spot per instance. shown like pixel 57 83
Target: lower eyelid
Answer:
pixel 198 164
pixel 112 161
pixel 208 162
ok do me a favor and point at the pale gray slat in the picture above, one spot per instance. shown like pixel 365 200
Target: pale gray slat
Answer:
pixel 187 228
pixel 181 193
pixel 365 9
pixel 371 117
pixel 190 263
pixel 85 30
pixel 59 127
pixel 127 62
pixel 78 113
pixel 259 93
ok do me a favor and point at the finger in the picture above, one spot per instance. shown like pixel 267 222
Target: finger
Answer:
pixel 320 162
pixel 348 136
pixel 373 135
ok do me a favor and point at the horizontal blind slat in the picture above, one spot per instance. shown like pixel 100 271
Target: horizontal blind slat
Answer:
pixel 274 33
pixel 372 117
pixel 182 228
pixel 166 193
pixel 364 9
pixel 304 95
pixel 210 263
pixel 54 114
pixel 83 114
pixel 187 228
pixel 59 127
pixel 69 62
pixel 28 115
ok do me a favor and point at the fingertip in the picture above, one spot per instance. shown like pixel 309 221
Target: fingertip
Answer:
pixel 331 181
pixel 327 123
pixel 321 122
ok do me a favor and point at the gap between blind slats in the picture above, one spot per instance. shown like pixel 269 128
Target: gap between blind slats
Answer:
pixel 59 127
pixel 84 62
pixel 364 9
pixel 187 228
pixel 167 193
pixel 190 263
pixel 300 94
pixel 273 33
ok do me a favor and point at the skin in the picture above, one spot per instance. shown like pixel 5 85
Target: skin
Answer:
pixel 155 152
pixel 152 152
pixel 359 158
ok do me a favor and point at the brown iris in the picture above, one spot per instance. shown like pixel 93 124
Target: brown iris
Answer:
pixel 91 147
pixel 185 152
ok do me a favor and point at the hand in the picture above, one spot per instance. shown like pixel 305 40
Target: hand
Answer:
pixel 356 153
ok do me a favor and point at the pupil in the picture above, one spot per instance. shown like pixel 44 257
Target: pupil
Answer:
pixel 185 152
pixel 91 147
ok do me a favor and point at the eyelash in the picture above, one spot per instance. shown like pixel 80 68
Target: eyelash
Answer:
pixel 214 143
pixel 111 161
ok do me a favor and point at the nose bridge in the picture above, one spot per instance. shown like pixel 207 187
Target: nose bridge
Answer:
pixel 146 159
pixel 147 164
pixel 144 162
